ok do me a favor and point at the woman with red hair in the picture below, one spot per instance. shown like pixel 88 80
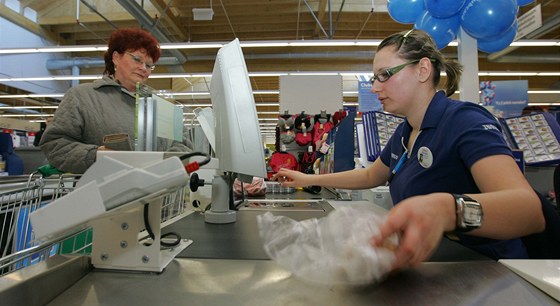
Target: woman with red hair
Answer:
pixel 89 112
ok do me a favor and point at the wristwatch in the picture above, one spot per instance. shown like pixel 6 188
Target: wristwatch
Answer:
pixel 469 213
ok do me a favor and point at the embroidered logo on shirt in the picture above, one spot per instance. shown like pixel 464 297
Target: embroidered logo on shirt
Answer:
pixel 394 156
pixel 490 127
pixel 425 157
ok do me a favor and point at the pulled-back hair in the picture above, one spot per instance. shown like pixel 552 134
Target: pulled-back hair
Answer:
pixel 130 39
pixel 417 44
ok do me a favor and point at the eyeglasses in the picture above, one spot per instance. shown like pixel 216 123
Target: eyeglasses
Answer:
pixel 138 60
pixel 388 73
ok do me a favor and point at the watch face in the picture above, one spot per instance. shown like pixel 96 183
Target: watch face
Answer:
pixel 472 214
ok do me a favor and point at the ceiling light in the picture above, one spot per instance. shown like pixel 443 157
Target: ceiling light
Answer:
pixel 203 14
pixel 191 45
pixel 253 44
pixel 29 107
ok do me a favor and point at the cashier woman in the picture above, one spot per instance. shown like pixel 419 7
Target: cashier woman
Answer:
pixel 448 166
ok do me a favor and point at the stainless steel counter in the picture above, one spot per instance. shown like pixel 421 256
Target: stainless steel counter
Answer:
pixel 226 265
pixel 262 282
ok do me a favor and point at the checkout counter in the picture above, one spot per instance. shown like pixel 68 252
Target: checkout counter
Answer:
pixel 226 265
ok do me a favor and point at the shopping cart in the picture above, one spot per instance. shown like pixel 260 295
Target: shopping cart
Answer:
pixel 18 247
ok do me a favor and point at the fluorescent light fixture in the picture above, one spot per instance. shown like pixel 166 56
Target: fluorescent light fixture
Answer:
pixel 24 115
pixel 313 73
pixel 548 73
pixel 507 73
pixel 268 119
pixel 253 44
pixel 204 14
pixel 266 92
pixel 266 74
pixel 543 104
pixel 191 45
pixel 29 107
pixel 346 93
pixel 180 75
pixel 263 74
pixel 200 105
pixel 190 93
pixel 264 44
pixel 543 91
pixel 57 95
pixel 535 43
pixel 52 78
pixel 53 49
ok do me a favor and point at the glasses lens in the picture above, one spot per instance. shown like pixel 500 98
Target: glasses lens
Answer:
pixel 138 60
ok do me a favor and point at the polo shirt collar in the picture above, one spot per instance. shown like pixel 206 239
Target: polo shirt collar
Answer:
pixel 433 113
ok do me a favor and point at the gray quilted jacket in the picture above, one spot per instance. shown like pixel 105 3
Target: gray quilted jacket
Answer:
pixel 86 114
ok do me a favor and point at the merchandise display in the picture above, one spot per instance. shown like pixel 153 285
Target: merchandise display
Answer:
pixel 302 139
pixel 537 135
pixel 378 127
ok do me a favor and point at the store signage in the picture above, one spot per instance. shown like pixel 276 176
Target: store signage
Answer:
pixel 505 98
pixel 367 101
pixel 529 22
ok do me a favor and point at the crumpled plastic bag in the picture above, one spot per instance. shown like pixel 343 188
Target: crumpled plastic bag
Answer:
pixel 333 250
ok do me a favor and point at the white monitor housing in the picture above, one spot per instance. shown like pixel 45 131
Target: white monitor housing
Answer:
pixel 239 146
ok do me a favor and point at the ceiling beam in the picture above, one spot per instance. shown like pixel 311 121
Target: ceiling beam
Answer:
pixel 320 17
pixel 173 21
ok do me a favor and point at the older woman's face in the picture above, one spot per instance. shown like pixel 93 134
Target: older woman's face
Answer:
pixel 131 67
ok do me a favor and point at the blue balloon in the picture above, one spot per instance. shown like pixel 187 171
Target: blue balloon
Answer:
pixel 524 2
pixel 444 8
pixel 442 30
pixel 488 18
pixel 405 11
pixel 496 44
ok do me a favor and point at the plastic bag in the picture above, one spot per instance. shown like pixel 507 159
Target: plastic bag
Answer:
pixel 334 250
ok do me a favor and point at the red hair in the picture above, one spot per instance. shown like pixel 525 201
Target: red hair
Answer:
pixel 130 39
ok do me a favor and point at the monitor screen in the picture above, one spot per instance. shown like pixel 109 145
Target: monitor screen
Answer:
pixel 239 147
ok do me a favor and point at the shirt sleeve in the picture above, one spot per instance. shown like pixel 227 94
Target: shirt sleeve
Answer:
pixel 479 135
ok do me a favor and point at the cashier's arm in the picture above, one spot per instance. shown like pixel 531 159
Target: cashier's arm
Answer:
pixel 511 207
pixel 372 176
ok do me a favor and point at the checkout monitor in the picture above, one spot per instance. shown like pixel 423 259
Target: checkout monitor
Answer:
pixel 239 146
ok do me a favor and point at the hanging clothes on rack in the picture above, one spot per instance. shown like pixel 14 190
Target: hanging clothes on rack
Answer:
pixel 286 126
pixel 304 128
pixel 322 126
pixel 283 159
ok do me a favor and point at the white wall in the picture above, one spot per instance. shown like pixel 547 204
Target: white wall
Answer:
pixel 27 65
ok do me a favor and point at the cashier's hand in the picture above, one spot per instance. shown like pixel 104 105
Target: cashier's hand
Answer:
pixel 420 222
pixel 291 178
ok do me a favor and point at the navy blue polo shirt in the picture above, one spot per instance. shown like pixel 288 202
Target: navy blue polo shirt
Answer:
pixel 454 135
